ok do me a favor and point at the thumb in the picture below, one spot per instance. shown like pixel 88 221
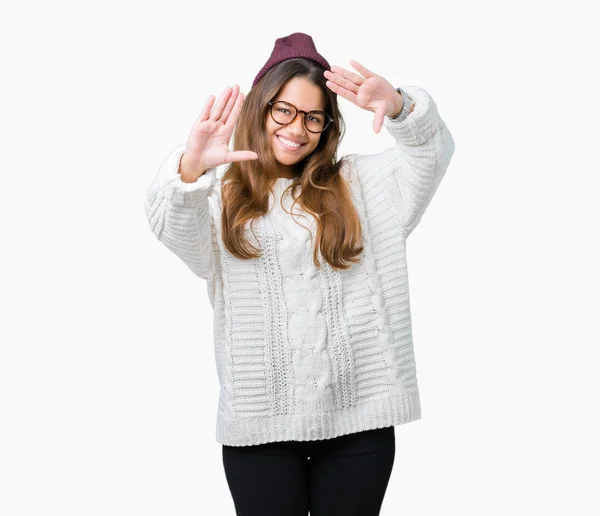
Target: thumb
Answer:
pixel 378 120
pixel 240 156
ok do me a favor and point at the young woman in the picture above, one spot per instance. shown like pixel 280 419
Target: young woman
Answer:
pixel 305 262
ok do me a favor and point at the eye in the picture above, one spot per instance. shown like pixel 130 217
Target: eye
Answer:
pixel 283 110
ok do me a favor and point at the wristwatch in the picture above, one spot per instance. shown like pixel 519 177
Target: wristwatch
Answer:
pixel 407 104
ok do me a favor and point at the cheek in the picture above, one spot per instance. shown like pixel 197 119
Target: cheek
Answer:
pixel 271 129
pixel 313 144
pixel 271 126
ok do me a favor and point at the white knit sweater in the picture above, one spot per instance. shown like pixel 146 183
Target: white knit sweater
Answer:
pixel 305 353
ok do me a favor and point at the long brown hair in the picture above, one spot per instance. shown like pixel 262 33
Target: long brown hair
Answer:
pixel 323 194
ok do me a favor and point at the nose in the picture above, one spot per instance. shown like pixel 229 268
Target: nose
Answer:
pixel 297 126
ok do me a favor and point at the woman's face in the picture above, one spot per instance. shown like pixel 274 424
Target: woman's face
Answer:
pixel 306 96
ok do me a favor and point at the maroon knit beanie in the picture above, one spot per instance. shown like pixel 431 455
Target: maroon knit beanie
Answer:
pixel 297 44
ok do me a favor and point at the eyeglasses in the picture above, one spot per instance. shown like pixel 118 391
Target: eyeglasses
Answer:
pixel 284 113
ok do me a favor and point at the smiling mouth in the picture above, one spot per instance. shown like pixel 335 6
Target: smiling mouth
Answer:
pixel 287 145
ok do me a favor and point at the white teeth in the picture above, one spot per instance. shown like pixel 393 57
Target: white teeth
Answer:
pixel 288 142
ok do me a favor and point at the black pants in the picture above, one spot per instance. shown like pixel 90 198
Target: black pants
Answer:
pixel 345 476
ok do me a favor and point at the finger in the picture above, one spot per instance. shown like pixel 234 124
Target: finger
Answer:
pixel 235 111
pixel 338 79
pixel 378 120
pixel 218 109
pixel 347 94
pixel 351 76
pixel 240 156
pixel 206 109
pixel 230 104
pixel 362 69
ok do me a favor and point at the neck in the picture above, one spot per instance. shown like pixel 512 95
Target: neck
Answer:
pixel 287 171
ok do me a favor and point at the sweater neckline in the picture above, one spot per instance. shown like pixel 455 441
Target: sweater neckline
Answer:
pixel 281 183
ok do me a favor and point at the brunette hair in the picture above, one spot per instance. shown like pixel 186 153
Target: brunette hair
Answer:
pixel 324 193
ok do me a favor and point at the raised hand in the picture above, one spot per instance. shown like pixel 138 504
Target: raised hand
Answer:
pixel 368 91
pixel 208 142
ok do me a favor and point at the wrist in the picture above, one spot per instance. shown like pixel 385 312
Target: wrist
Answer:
pixel 187 173
pixel 397 105
pixel 407 106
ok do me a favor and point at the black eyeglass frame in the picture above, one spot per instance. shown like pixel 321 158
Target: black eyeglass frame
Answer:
pixel 329 117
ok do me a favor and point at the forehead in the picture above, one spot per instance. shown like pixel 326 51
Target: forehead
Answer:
pixel 303 94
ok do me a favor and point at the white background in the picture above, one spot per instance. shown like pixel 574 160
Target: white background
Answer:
pixel 108 388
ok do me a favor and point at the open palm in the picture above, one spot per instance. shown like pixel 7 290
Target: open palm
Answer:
pixel 368 91
pixel 208 142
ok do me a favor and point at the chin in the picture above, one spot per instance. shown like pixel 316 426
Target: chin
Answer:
pixel 284 160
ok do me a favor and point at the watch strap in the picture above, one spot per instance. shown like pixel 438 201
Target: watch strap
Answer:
pixel 407 104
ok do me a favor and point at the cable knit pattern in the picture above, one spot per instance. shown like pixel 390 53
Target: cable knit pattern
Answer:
pixel 306 353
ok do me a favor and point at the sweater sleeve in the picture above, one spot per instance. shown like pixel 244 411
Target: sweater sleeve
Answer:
pixel 179 215
pixel 419 159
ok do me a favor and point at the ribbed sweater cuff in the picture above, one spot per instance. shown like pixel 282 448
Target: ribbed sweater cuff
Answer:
pixel 419 125
pixel 182 193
